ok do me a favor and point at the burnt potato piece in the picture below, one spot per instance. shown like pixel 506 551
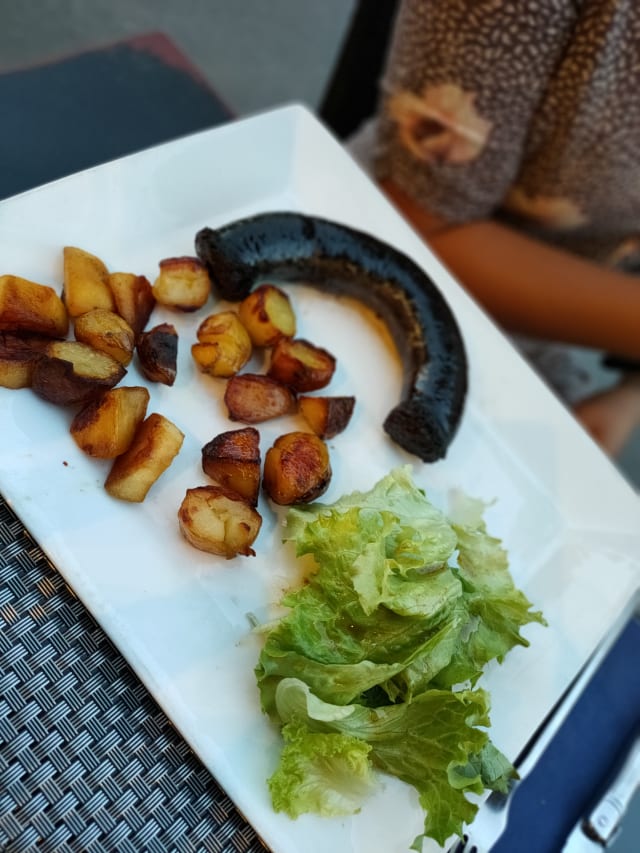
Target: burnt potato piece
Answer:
pixel 301 365
pixel 134 299
pixel 297 468
pixel 253 398
pixel 26 306
pixel 327 416
pixel 105 427
pixel 292 247
pixel 232 460
pixel 158 353
pixel 71 372
pixel 18 355
pixel 267 315
pixel 219 521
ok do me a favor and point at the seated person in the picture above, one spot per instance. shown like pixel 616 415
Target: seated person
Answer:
pixel 507 135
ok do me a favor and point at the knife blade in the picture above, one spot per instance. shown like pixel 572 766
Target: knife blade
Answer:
pixel 597 830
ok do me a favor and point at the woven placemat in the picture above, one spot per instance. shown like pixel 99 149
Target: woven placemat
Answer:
pixel 88 761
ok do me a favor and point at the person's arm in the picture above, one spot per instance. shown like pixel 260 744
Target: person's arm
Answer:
pixel 530 287
pixel 611 416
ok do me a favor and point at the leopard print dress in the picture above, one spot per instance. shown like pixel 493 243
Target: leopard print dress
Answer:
pixel 526 111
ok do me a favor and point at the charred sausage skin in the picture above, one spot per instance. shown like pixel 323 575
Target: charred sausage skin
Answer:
pixel 293 247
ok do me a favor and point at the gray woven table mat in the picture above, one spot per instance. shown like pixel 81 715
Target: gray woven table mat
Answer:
pixel 88 761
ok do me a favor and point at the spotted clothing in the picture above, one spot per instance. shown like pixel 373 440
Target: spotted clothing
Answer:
pixel 523 110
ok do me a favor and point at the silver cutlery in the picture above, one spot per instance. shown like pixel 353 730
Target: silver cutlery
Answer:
pixel 597 830
pixel 488 826
pixel 491 819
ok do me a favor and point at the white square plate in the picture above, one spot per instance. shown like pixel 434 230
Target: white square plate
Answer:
pixel 568 519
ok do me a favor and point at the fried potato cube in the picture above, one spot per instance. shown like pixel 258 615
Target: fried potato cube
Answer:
pixel 134 299
pixel 105 427
pixel 219 521
pixel 156 443
pixel 252 398
pixel 158 353
pixel 327 416
pixel 86 282
pixel 267 315
pixel 18 354
pixel 108 332
pixel 71 372
pixel 224 345
pixel 29 307
pixel 232 460
pixel 297 468
pixel 183 283
pixel 301 365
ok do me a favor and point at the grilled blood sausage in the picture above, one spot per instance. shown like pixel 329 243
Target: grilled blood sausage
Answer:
pixel 297 248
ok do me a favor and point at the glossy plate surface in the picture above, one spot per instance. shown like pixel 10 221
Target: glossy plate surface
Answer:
pixel 180 617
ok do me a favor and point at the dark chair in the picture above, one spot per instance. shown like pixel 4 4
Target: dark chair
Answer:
pixel 66 115
pixel 351 95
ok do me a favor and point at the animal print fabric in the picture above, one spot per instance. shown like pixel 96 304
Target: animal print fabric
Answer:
pixel 525 110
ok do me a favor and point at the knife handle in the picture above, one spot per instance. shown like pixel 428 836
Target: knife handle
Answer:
pixel 604 819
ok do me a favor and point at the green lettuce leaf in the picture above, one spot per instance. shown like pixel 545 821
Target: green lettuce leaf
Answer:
pixel 384 534
pixel 328 774
pixel 368 667
pixel 495 609
pixel 433 743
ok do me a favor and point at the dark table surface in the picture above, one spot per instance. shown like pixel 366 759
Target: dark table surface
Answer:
pixel 88 761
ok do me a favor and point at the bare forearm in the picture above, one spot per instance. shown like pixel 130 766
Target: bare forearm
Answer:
pixel 542 291
pixel 532 288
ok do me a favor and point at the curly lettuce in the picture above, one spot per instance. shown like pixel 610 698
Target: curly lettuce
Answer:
pixel 374 665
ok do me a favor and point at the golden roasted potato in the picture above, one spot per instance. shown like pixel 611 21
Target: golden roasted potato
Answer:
pixel 72 372
pixel 134 299
pixel 183 283
pixel 327 416
pixel 158 353
pixel 224 345
pixel 297 468
pixel 29 307
pixel 267 315
pixel 18 354
pixel 219 521
pixel 232 460
pixel 301 365
pixel 222 323
pixel 108 332
pixel 252 398
pixel 155 445
pixel 86 282
pixel 105 427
